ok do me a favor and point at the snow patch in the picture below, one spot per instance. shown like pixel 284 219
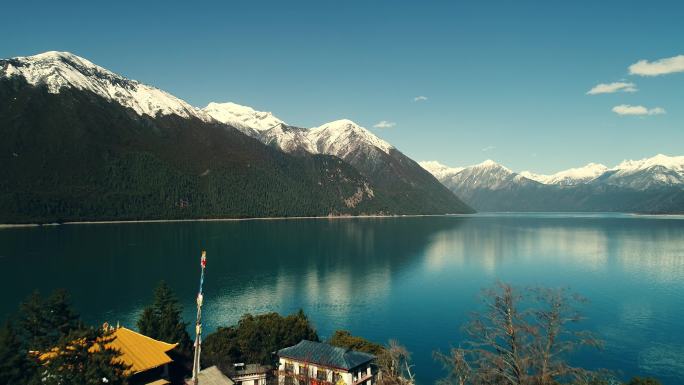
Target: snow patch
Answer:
pixel 59 70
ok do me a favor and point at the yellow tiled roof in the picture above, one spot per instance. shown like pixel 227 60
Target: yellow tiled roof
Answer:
pixel 140 352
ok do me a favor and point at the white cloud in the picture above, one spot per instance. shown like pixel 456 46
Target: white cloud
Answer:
pixel 658 67
pixel 420 98
pixel 610 88
pixel 488 148
pixel 384 124
pixel 626 109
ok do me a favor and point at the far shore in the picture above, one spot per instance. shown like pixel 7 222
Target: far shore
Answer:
pixel 333 217
pixel 9 225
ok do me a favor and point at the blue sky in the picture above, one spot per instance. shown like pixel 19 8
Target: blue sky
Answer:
pixel 505 80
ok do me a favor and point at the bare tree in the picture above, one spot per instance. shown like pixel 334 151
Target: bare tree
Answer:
pixel 523 337
pixel 460 371
pixel 395 365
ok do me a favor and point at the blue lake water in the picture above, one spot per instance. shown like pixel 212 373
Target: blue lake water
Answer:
pixel 414 279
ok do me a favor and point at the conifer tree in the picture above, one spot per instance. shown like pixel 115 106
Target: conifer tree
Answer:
pixel 44 321
pixel 162 319
pixel 15 365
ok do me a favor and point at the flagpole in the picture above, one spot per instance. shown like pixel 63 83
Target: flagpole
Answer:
pixel 198 323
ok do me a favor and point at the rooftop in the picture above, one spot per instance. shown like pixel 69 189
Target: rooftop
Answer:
pixel 248 369
pixel 325 355
pixel 138 351
pixel 212 376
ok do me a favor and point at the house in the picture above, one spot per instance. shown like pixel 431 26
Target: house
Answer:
pixel 250 374
pixel 146 358
pixel 316 363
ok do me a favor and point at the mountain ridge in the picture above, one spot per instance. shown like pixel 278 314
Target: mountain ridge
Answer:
pixel 83 143
pixel 383 164
pixel 654 184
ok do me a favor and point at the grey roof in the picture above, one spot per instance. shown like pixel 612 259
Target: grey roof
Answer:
pixel 249 369
pixel 325 355
pixel 213 376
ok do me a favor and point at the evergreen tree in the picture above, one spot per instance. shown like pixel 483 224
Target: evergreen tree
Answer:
pixel 82 357
pixel 44 321
pixel 162 319
pixel 15 365
pixel 148 322
pixel 60 315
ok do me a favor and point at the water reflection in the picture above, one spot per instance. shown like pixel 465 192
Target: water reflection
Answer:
pixel 414 279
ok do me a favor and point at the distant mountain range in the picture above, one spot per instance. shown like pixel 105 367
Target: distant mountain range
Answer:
pixel 83 143
pixel 652 185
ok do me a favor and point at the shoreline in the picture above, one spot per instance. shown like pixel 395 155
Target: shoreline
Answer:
pixel 335 217
pixel 332 217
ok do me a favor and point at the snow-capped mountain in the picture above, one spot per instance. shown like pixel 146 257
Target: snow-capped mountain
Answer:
pixel 338 138
pixel 262 125
pixel 373 157
pixel 154 155
pixel 569 177
pixel 342 137
pixel 440 171
pixel 658 171
pixel 651 184
pixel 60 70
pixel 486 175
pixel 244 118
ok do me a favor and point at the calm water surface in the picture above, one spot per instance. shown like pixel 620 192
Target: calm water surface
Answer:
pixel 412 279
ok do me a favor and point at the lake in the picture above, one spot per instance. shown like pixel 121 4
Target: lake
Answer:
pixel 414 279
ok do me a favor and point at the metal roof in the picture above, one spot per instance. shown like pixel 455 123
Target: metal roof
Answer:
pixel 325 355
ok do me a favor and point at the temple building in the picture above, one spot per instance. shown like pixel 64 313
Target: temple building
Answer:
pixel 146 358
pixel 316 363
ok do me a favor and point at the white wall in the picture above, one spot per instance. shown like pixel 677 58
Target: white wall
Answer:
pixel 347 377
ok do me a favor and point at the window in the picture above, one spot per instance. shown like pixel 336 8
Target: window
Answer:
pixel 336 377
pixel 289 380
pixel 289 367
pixel 321 375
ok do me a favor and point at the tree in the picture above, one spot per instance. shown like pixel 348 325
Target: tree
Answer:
pixel 255 338
pixel 345 339
pixel 83 357
pixel 395 365
pixel 162 319
pixel 523 337
pixel 148 323
pixel 44 321
pixel 15 365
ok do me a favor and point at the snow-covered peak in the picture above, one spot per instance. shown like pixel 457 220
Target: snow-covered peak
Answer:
pixel 569 177
pixel 660 170
pixel 59 70
pixel 670 162
pixel 439 170
pixel 242 117
pixel 339 136
pixel 490 164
